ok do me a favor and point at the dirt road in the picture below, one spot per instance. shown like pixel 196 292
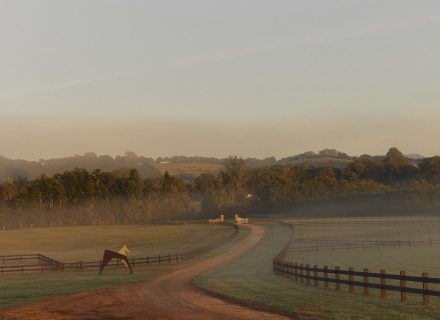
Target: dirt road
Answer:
pixel 166 297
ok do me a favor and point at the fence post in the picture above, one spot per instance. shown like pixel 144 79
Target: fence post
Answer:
pixel 337 279
pixel 169 259
pixel 159 259
pixel 366 282
pixel 383 291
pixel 350 280
pixel 425 289
pixel 132 261
pixel 315 276
pixel 301 273
pixel 308 274
pixel 295 271
pixel 326 277
pixel 403 294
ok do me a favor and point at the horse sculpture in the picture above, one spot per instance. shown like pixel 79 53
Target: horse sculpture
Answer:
pixel 109 255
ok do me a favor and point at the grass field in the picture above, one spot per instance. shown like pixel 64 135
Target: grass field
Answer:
pixel 250 280
pixel 88 243
pixel 412 259
pixel 20 289
pixel 189 169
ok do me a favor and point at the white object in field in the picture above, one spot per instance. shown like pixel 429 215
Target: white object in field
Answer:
pixel 218 220
pixel 124 250
pixel 239 220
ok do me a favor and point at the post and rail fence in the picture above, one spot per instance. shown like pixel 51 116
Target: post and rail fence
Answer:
pixel 363 279
pixel 315 274
pixel 42 263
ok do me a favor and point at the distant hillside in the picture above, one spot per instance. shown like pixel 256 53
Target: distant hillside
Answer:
pixel 10 169
pixel 186 167
pixel 324 158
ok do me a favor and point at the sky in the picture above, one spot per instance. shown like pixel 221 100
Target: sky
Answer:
pixel 215 78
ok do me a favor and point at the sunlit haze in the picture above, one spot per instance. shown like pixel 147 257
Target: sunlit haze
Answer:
pixel 213 78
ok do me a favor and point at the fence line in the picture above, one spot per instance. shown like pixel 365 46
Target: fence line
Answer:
pixel 301 272
pixel 44 263
pixel 317 222
pixel 332 245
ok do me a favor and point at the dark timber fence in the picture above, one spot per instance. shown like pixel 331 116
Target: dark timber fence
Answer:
pixel 40 263
pixel 364 279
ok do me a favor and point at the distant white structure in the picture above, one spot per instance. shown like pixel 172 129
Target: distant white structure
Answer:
pixel 239 220
pixel 218 220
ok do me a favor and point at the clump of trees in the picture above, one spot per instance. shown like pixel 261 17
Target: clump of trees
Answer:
pixel 95 197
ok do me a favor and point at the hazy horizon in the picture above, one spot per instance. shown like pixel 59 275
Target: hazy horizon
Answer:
pixel 207 78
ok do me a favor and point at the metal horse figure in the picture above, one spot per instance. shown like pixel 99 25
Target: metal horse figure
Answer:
pixel 122 255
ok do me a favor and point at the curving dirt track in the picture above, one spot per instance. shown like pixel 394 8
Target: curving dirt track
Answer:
pixel 166 297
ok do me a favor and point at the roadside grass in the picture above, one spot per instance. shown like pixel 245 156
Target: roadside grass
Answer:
pixel 21 289
pixel 87 243
pixel 249 280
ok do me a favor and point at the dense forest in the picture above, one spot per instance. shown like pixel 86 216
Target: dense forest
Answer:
pixel 81 196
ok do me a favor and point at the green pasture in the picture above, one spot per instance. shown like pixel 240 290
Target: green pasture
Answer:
pixel 87 243
pixel 401 230
pixel 20 289
pixel 412 259
pixel 249 280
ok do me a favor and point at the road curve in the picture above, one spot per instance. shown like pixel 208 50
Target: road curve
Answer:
pixel 166 297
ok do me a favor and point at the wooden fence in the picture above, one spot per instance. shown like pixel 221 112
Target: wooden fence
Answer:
pixel 325 276
pixel 305 246
pixel 342 222
pixel 41 263
pixel 35 263
pixel 314 274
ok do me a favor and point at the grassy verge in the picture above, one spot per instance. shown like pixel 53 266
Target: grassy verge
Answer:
pixel 21 289
pixel 249 280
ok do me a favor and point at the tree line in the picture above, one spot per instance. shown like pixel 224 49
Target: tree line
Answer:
pixel 80 197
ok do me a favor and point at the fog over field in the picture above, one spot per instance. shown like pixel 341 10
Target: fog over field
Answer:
pixel 219 160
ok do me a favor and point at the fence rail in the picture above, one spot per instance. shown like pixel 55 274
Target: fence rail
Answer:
pixel 325 276
pixel 42 263
pixel 305 246
pixel 342 222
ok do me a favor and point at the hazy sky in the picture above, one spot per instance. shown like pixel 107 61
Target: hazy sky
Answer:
pixel 213 78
